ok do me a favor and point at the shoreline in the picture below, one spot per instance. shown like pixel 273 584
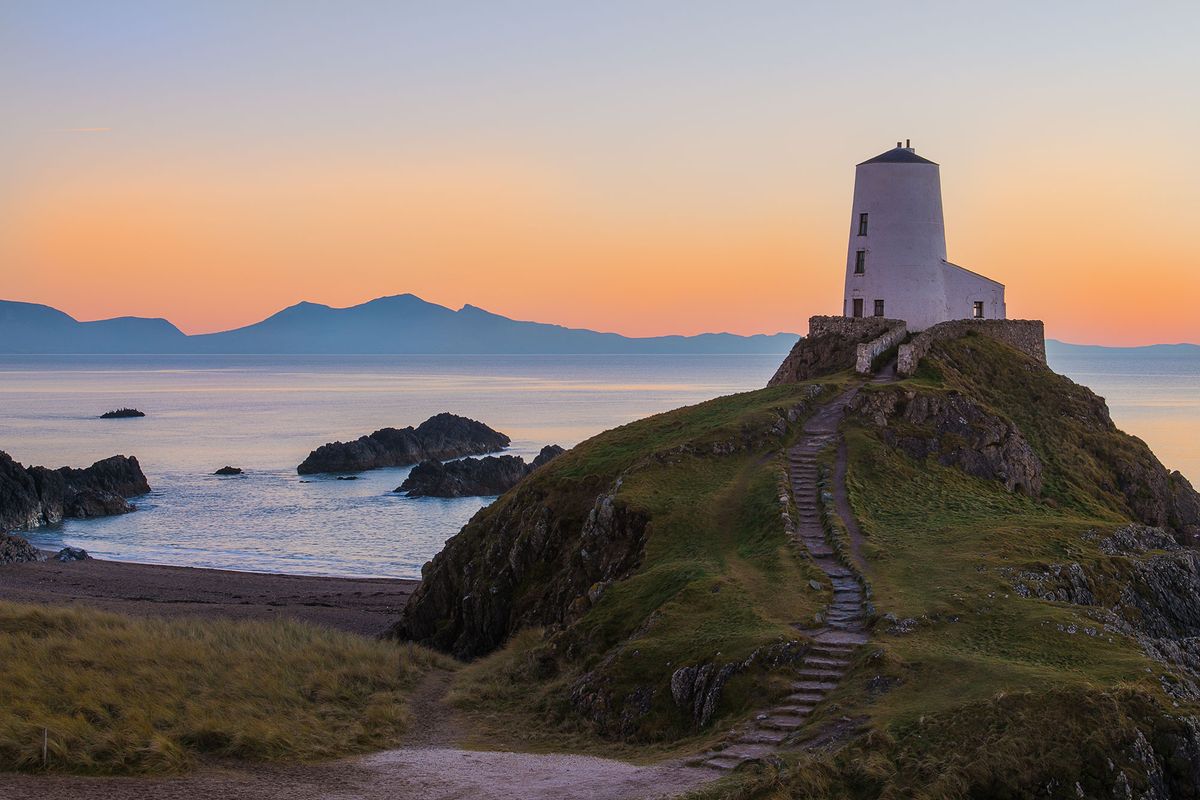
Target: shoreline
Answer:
pixel 364 606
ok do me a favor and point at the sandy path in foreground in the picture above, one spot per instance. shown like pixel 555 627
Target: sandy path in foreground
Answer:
pixel 435 773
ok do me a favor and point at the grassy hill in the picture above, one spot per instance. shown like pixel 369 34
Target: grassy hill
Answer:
pixel 1031 566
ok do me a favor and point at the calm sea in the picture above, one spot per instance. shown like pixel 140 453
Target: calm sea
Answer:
pixel 265 413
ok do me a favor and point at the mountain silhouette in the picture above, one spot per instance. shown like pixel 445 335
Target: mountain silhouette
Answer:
pixel 400 324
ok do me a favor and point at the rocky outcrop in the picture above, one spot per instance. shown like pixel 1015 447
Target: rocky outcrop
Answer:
pixel 831 346
pixel 489 580
pixel 122 413
pixel 440 437
pixel 15 550
pixel 34 496
pixel 954 430
pixel 229 471
pixel 1149 590
pixel 472 477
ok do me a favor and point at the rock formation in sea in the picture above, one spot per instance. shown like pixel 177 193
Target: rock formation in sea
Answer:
pixel 122 413
pixel 472 477
pixel 229 471
pixel 439 437
pixel 35 496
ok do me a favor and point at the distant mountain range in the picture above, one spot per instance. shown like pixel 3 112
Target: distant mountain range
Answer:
pixel 402 324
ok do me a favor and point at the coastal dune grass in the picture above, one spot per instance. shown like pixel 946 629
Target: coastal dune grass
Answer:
pixel 89 691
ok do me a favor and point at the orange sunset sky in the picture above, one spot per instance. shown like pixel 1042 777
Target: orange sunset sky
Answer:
pixel 648 168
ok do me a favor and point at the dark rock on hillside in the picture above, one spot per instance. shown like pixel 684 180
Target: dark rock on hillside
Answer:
pixel 228 471
pixel 472 477
pixel 440 437
pixel 34 496
pixel 15 550
pixel 122 413
pixel 479 589
pixel 956 431
pixel 831 346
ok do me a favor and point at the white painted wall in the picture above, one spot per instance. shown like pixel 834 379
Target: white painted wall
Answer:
pixel 906 250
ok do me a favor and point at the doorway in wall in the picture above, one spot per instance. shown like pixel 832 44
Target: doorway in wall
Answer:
pixel 858 307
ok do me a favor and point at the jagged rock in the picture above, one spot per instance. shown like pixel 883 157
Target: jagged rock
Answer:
pixel 72 554
pixel 956 431
pixel 15 550
pixel 34 496
pixel 122 413
pixel 472 477
pixel 1136 539
pixel 546 455
pixel 697 688
pixel 228 471
pixel 478 590
pixel 440 437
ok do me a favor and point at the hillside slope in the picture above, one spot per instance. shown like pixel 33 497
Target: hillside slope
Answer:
pixel 1032 569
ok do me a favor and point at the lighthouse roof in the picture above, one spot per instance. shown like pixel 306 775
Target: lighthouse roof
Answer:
pixel 898 155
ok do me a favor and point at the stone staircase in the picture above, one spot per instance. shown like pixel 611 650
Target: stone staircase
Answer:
pixel 843 623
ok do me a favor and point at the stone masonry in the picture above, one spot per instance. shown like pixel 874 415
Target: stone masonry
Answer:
pixel 1026 335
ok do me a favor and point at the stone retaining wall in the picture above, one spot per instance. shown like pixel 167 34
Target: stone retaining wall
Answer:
pixel 859 328
pixel 1026 335
pixel 869 351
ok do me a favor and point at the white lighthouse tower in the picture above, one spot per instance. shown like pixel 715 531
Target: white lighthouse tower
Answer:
pixel 896 263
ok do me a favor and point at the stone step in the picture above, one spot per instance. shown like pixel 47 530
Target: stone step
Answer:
pixel 724 763
pixel 794 709
pixel 819 673
pixel 841 637
pixel 761 736
pixel 825 661
pixel 746 752
pixel 783 722
pixel 814 686
pixel 805 697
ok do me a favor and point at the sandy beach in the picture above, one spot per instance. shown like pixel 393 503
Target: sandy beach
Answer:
pixel 360 605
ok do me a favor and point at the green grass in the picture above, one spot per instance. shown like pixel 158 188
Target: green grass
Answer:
pixel 114 694
pixel 989 694
pixel 717 580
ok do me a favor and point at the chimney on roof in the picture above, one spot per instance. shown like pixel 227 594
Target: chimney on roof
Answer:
pixel 898 145
pixel 908 146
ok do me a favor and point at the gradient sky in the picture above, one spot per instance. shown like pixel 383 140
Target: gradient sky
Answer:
pixel 646 167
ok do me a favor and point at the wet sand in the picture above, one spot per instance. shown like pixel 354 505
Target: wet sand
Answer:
pixel 360 605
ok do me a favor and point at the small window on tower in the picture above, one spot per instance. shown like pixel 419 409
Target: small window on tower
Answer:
pixel 862 224
pixel 879 308
pixel 858 307
pixel 977 309
pixel 860 262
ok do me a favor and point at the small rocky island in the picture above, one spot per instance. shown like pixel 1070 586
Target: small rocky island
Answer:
pixel 472 477
pixel 439 437
pixel 229 471
pixel 34 496
pixel 122 413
